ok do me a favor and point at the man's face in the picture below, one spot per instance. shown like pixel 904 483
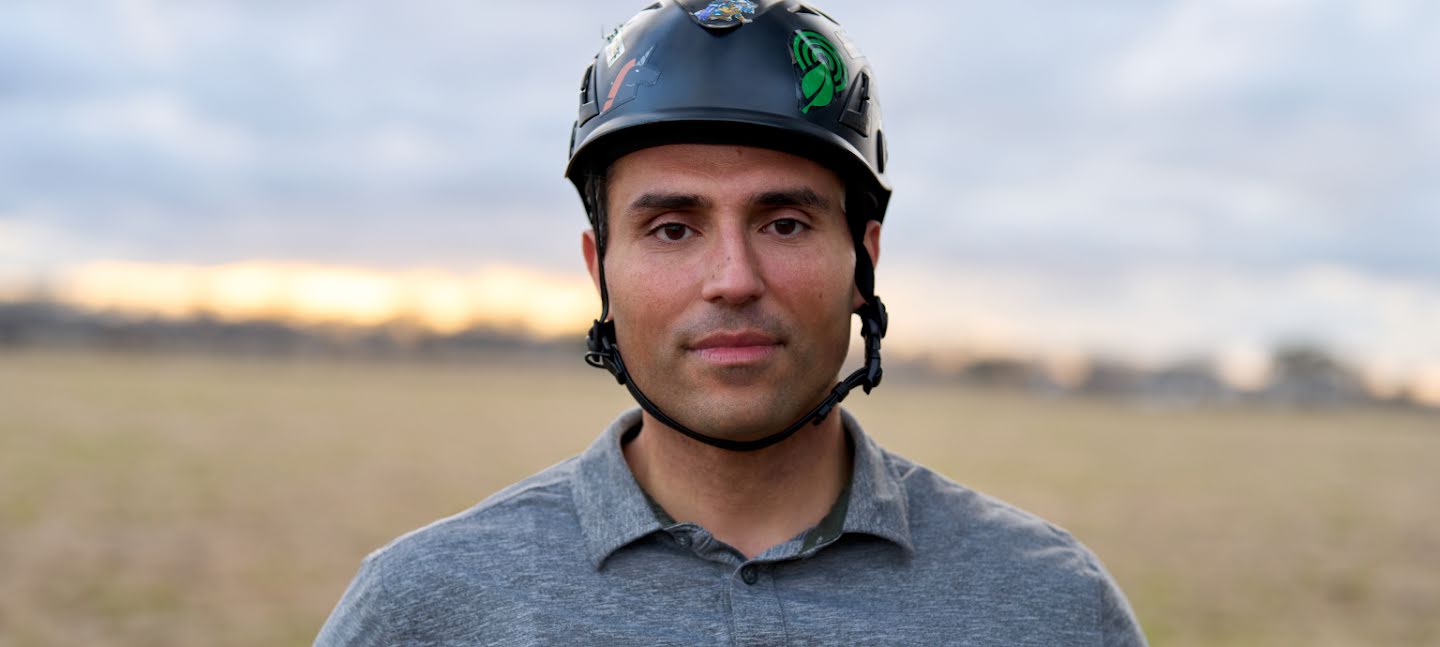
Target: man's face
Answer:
pixel 730 271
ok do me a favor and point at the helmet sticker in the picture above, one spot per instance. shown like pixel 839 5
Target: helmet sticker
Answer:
pixel 627 83
pixel 615 49
pixel 822 69
pixel 725 13
pixel 615 42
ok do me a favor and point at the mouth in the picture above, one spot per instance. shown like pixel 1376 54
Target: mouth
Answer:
pixel 735 348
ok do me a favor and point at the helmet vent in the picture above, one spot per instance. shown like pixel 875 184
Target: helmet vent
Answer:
pixel 805 8
pixel 651 7
pixel 589 103
pixel 857 106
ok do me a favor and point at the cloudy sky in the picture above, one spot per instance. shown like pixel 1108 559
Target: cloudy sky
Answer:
pixel 1151 180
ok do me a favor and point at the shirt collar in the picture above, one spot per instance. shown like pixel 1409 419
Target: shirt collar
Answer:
pixel 878 503
pixel 614 511
pixel 611 506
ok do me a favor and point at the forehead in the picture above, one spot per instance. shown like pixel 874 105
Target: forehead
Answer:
pixel 716 169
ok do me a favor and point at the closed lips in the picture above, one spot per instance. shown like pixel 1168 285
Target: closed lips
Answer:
pixel 733 340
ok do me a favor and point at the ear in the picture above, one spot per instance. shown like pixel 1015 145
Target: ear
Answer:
pixel 592 256
pixel 872 241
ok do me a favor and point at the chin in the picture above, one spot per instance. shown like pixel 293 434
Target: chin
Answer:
pixel 741 416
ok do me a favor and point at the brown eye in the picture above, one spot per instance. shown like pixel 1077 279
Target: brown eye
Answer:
pixel 786 227
pixel 674 232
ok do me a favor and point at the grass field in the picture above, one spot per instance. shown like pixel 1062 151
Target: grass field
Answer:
pixel 186 500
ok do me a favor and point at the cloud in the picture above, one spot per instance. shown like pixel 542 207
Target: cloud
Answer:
pixel 161 121
pixel 1263 134
pixel 1131 125
pixel 207 132
pixel 1202 51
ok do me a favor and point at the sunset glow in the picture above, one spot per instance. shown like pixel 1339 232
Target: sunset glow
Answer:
pixel 542 304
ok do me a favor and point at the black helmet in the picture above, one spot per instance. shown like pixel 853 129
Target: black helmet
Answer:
pixel 770 73
pixel 776 74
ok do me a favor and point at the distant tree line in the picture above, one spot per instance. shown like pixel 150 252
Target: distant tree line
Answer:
pixel 1300 374
pixel 55 325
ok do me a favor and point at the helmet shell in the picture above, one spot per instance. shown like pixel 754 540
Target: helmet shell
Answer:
pixel 776 74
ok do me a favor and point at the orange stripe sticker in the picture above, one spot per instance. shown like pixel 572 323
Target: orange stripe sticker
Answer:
pixel 615 87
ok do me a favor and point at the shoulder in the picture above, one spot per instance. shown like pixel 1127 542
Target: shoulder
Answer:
pixel 947 517
pixel 509 519
pixel 1010 557
pixel 465 557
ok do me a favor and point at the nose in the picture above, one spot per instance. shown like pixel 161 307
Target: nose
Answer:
pixel 734 277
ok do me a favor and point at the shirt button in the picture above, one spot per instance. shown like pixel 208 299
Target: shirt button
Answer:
pixel 749 574
pixel 683 540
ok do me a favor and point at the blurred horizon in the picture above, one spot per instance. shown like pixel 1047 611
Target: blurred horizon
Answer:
pixel 258 311
pixel 1181 179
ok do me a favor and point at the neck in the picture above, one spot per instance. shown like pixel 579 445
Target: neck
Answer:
pixel 749 500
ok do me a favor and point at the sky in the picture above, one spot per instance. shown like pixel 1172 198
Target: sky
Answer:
pixel 1151 180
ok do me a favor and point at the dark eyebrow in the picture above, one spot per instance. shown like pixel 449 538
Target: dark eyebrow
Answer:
pixel 796 197
pixel 668 202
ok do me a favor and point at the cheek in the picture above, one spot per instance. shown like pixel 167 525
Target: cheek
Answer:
pixel 643 296
pixel 818 283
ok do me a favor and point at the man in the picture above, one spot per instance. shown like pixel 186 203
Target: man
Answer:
pixel 731 159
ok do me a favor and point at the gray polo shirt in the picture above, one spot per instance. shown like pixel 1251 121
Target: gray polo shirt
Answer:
pixel 579 555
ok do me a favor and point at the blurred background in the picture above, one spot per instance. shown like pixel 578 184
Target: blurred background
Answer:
pixel 279 282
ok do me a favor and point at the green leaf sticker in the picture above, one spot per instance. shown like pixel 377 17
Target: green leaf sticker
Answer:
pixel 822 69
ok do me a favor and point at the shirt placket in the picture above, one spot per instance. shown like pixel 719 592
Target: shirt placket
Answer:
pixel 756 617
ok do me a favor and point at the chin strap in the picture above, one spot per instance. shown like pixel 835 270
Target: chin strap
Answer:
pixel 874 321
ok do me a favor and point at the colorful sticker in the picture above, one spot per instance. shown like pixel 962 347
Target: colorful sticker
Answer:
pixel 615 44
pixel 628 80
pixel 614 50
pixel 822 69
pixel 726 13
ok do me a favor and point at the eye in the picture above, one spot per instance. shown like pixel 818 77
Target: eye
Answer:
pixel 787 227
pixel 672 232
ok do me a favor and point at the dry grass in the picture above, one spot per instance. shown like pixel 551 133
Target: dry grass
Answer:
pixel 179 500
